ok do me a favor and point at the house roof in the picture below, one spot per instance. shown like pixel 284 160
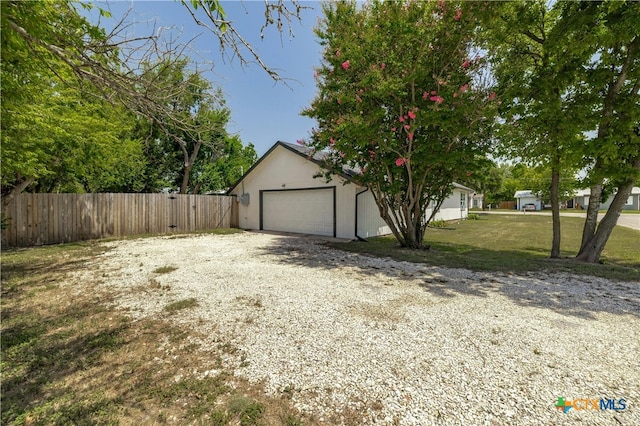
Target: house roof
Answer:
pixel 527 193
pixel 464 188
pixel 314 156
pixel 582 192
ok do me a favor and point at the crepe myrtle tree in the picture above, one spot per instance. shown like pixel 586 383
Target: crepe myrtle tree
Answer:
pixel 401 101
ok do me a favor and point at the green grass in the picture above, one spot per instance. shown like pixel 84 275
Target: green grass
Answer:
pixel 181 304
pixel 165 269
pixel 513 243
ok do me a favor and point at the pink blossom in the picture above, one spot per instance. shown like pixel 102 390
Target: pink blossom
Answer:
pixel 492 96
pixel 466 63
pixel 341 154
pixel 433 92
pixel 401 119
pixel 455 94
pixel 358 98
pixel 338 53
pixel 332 141
pixel 393 129
pixel 464 88
pixel 400 161
pixel 346 64
pixel 383 65
pixel 372 154
pixel 300 142
pixel 407 127
pixel 437 99
pixel 468 173
pixel 315 75
pixel 458 15
pixel 339 102
pixel 411 115
pixel 410 135
pixel 425 95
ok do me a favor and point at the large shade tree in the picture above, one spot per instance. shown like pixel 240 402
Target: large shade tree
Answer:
pixel 542 117
pixel 609 32
pixel 401 102
pixel 569 76
pixel 48 43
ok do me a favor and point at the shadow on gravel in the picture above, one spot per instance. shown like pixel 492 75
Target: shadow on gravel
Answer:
pixel 568 294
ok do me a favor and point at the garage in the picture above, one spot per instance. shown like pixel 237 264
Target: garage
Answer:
pixel 303 211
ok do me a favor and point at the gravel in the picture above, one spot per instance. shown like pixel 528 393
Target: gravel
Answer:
pixel 350 336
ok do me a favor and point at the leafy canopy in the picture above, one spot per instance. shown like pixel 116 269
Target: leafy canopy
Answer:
pixel 401 101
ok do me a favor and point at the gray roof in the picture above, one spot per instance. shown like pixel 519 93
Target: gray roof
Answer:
pixel 316 157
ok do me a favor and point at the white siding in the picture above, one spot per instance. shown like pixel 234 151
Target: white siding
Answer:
pixel 451 209
pixel 370 224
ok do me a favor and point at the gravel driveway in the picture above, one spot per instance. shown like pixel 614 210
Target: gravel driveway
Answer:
pixel 393 342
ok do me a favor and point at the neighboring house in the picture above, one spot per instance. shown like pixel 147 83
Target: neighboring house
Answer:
pixel 580 200
pixel 279 193
pixel 477 201
pixel 527 197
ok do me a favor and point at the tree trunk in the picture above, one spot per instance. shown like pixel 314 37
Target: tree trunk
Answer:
pixel 185 177
pixel 592 250
pixel 9 197
pixel 555 209
pixel 591 222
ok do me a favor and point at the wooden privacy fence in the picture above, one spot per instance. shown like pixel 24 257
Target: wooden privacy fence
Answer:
pixel 35 219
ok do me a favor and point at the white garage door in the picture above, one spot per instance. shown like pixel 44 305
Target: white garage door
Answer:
pixel 305 211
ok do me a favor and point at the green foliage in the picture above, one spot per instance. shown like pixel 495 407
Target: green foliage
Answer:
pixel 177 153
pixel 400 101
pixel 64 136
pixel 439 223
pixel 568 75
pixel 221 171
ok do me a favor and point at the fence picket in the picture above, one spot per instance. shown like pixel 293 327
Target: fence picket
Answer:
pixel 35 219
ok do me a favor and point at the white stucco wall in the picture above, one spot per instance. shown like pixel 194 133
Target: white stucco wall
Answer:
pixel 283 169
pixel 450 209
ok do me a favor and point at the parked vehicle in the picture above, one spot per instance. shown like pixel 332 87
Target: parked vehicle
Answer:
pixel 529 207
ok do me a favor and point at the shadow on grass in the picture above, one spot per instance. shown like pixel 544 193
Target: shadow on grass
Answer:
pixel 527 280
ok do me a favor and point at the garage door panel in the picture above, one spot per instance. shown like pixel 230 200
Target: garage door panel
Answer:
pixel 306 211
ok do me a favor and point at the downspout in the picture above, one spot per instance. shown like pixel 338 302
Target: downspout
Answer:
pixel 356 230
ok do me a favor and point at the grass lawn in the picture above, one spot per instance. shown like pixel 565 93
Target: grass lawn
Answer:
pixel 68 357
pixel 513 243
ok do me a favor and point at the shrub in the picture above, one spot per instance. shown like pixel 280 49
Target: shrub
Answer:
pixel 438 223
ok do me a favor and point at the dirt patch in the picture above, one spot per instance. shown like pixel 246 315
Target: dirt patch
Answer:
pixel 70 358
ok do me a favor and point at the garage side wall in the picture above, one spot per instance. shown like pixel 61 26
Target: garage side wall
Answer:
pixel 285 170
pixel 370 224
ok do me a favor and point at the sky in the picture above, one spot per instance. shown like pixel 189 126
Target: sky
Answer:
pixel 262 111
